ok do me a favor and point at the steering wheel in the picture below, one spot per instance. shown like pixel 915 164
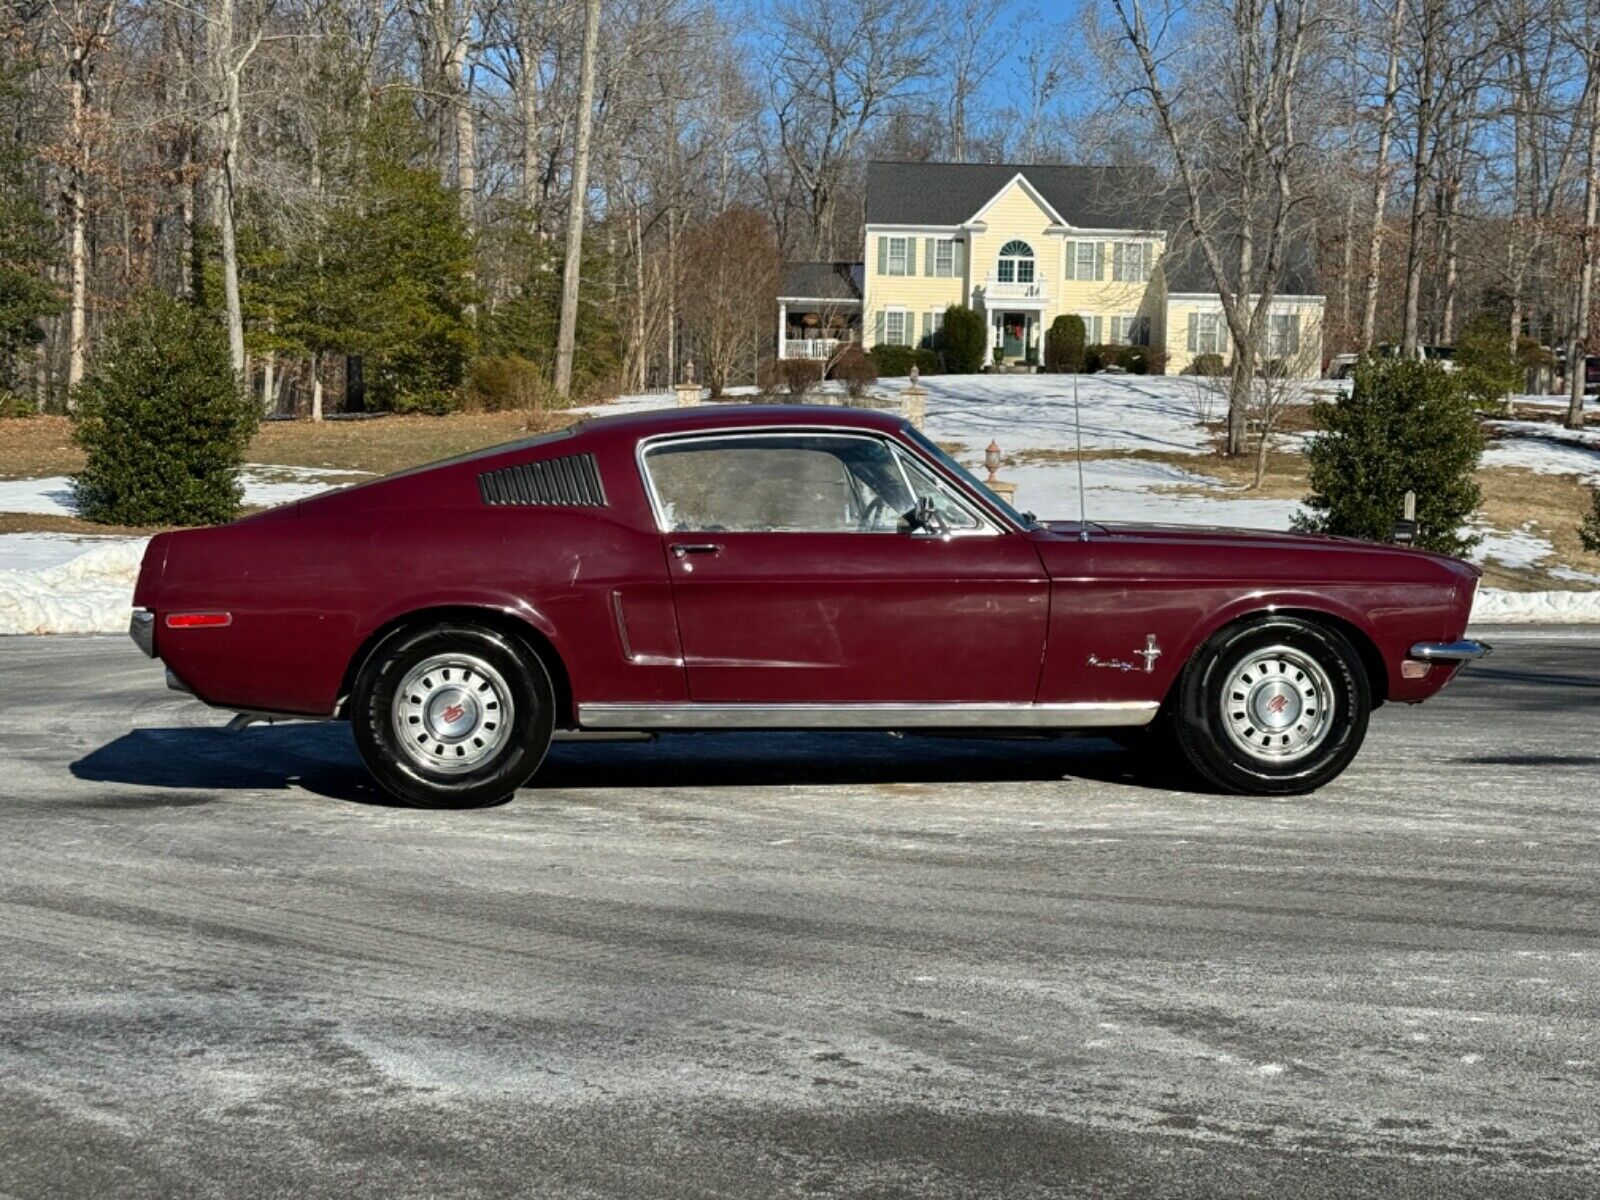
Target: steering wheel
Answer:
pixel 869 519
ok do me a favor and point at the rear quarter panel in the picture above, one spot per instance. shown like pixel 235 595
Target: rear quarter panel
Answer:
pixel 308 589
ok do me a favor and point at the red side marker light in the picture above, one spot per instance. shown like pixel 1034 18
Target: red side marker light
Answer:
pixel 214 620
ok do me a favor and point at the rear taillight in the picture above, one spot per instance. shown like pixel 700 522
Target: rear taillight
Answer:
pixel 210 620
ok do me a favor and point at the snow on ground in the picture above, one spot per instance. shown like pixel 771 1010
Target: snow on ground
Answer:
pixel 1519 548
pixel 264 486
pixel 1137 490
pixel 90 593
pixel 1545 455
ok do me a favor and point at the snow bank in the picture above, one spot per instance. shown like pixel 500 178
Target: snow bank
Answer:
pixel 36 551
pixel 1496 607
pixel 264 486
pixel 91 593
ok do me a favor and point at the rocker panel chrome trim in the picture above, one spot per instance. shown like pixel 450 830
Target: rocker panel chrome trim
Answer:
pixel 1106 715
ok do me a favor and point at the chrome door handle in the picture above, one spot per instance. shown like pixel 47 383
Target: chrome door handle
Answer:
pixel 683 550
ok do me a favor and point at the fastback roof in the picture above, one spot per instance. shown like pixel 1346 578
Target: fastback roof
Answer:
pixel 716 416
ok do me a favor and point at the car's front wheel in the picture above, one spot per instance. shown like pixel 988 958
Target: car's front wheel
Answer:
pixel 1274 706
pixel 452 716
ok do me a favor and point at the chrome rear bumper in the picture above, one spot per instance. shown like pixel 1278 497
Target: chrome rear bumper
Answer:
pixel 142 629
pixel 1458 652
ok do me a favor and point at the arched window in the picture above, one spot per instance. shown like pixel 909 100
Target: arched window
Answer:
pixel 1016 262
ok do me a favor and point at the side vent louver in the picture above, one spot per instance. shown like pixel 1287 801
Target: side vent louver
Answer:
pixel 572 480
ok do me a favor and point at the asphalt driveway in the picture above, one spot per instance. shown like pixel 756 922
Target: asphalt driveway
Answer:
pixel 796 966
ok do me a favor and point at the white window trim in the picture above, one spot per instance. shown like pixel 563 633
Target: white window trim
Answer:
pixel 905 319
pixel 944 258
pixel 905 257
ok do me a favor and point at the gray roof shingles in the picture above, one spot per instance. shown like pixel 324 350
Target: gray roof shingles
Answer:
pixel 921 193
pixel 840 281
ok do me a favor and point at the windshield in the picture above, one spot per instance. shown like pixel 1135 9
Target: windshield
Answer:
pixel 932 449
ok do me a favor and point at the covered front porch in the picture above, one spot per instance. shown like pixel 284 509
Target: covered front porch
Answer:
pixel 819 309
pixel 816 332
pixel 1016 333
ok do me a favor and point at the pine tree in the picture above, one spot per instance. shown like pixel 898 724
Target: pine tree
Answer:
pixel 26 296
pixel 527 325
pixel 390 277
pixel 1405 426
pixel 162 419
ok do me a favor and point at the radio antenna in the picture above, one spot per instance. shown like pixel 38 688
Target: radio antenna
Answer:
pixel 1077 427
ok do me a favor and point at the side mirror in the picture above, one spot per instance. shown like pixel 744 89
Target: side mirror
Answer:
pixel 926 515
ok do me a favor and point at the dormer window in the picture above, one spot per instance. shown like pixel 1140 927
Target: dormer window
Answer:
pixel 1016 263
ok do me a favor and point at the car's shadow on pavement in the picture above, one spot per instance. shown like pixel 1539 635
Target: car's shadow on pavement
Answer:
pixel 319 757
pixel 322 759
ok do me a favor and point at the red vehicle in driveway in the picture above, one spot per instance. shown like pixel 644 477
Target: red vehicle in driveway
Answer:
pixel 781 568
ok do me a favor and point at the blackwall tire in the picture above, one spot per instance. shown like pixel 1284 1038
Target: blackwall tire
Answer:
pixel 1274 706
pixel 452 715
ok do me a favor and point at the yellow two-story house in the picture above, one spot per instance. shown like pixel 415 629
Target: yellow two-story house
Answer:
pixel 1022 245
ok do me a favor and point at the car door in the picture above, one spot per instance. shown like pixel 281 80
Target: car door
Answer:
pixel 798 579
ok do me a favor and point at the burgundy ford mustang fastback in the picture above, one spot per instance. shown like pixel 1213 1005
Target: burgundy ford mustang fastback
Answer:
pixel 781 568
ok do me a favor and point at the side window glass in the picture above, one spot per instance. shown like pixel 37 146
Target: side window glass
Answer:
pixel 926 486
pixel 778 483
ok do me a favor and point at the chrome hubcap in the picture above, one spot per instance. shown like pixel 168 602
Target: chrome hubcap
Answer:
pixel 1278 704
pixel 452 713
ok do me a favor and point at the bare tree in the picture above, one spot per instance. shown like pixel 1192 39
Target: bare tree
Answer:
pixel 231 43
pixel 731 270
pixel 1381 171
pixel 970 61
pixel 573 268
pixel 1452 47
pixel 83 26
pixel 1586 42
pixel 840 65
pixel 1237 157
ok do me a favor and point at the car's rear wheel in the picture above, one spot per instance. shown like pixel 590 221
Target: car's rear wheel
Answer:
pixel 1273 706
pixel 452 715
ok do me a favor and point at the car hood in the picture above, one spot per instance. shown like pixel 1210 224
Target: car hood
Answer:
pixel 1224 537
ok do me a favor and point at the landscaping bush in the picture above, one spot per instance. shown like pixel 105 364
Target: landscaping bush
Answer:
pixel 894 361
pixel 965 340
pixel 800 375
pixel 1136 360
pixel 856 369
pixel 13 405
pixel 508 383
pixel 162 420
pixel 1064 343
pixel 1405 426
pixel 1206 364
pixel 1589 531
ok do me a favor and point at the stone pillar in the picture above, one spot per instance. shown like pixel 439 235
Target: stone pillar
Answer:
pixel 914 404
pixel 1006 490
pixel 688 391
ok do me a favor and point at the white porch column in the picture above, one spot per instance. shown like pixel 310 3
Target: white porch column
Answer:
pixel 783 326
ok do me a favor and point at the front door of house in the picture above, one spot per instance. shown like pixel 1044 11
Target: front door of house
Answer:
pixel 1011 335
